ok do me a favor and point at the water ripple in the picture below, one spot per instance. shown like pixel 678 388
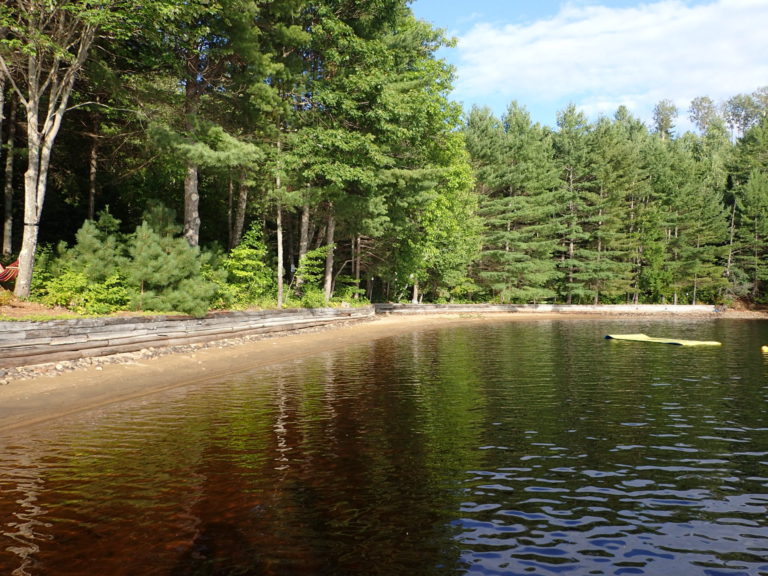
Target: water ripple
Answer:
pixel 509 448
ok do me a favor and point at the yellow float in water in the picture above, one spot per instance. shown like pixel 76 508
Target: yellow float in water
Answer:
pixel 764 349
pixel 673 341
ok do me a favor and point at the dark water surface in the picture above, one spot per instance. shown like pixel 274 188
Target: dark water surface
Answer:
pixel 504 448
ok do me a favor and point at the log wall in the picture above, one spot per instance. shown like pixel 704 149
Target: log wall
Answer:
pixel 605 309
pixel 27 343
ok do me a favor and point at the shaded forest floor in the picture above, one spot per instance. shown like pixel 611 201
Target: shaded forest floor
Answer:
pixel 24 310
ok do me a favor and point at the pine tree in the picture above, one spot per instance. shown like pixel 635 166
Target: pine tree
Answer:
pixel 164 274
pixel 98 251
pixel 522 238
pixel 697 226
pixel 649 219
pixel 753 232
pixel 606 264
pixel 573 155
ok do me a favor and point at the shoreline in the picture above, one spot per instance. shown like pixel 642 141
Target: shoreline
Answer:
pixel 36 394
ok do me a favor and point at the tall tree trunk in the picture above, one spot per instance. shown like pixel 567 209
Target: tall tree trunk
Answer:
pixel 730 242
pixel 230 212
pixel 756 280
pixel 191 180
pixel 358 262
pixel 598 283
pixel 303 238
pixel 280 255
pixel 290 252
pixel 240 208
pixel 369 288
pixel 571 252
pixel 93 165
pixel 10 150
pixel 304 232
pixel 329 237
pixel 695 288
pixel 280 270
pixel 34 194
pixel 191 205
pixel 571 239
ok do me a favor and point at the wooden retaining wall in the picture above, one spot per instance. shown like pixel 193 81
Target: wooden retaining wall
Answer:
pixel 27 343
pixel 604 309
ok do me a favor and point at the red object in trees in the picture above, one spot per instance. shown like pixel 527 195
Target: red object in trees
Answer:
pixel 8 273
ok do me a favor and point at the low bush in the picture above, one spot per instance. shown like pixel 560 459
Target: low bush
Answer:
pixel 106 271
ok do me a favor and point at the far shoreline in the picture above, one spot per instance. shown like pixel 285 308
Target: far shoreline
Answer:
pixel 47 392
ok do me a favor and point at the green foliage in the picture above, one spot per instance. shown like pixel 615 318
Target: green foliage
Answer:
pixel 753 234
pixel 326 108
pixel 45 262
pixel 209 145
pixel 312 297
pixel 311 270
pixel 164 274
pixel 347 291
pixel 86 278
pixel 105 272
pixel 631 217
pixel 519 206
pixel 73 290
pixel 106 297
pixel 65 289
pixel 6 297
pixel 161 219
pixel 98 251
pixel 249 280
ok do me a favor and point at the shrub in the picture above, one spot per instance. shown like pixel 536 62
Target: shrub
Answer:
pixel 72 290
pixel 311 268
pixel 105 271
pixel 6 297
pixel 249 278
pixel 164 273
pixel 313 297
pixel 65 289
pixel 106 297
pixel 347 290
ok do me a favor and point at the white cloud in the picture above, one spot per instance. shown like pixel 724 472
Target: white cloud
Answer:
pixel 600 57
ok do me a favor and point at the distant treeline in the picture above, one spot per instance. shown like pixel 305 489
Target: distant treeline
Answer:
pixel 617 211
pixel 166 155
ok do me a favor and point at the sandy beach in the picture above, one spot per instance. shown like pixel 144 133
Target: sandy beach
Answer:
pixel 55 392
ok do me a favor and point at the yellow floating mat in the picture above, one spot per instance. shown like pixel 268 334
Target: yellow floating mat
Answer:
pixel 673 341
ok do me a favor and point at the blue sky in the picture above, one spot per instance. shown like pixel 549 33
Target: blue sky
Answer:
pixel 600 54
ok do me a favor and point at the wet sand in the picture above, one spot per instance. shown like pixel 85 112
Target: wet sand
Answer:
pixel 26 402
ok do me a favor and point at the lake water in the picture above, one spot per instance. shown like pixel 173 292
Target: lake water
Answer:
pixel 501 448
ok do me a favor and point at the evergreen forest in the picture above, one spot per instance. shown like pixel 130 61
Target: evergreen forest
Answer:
pixel 185 156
